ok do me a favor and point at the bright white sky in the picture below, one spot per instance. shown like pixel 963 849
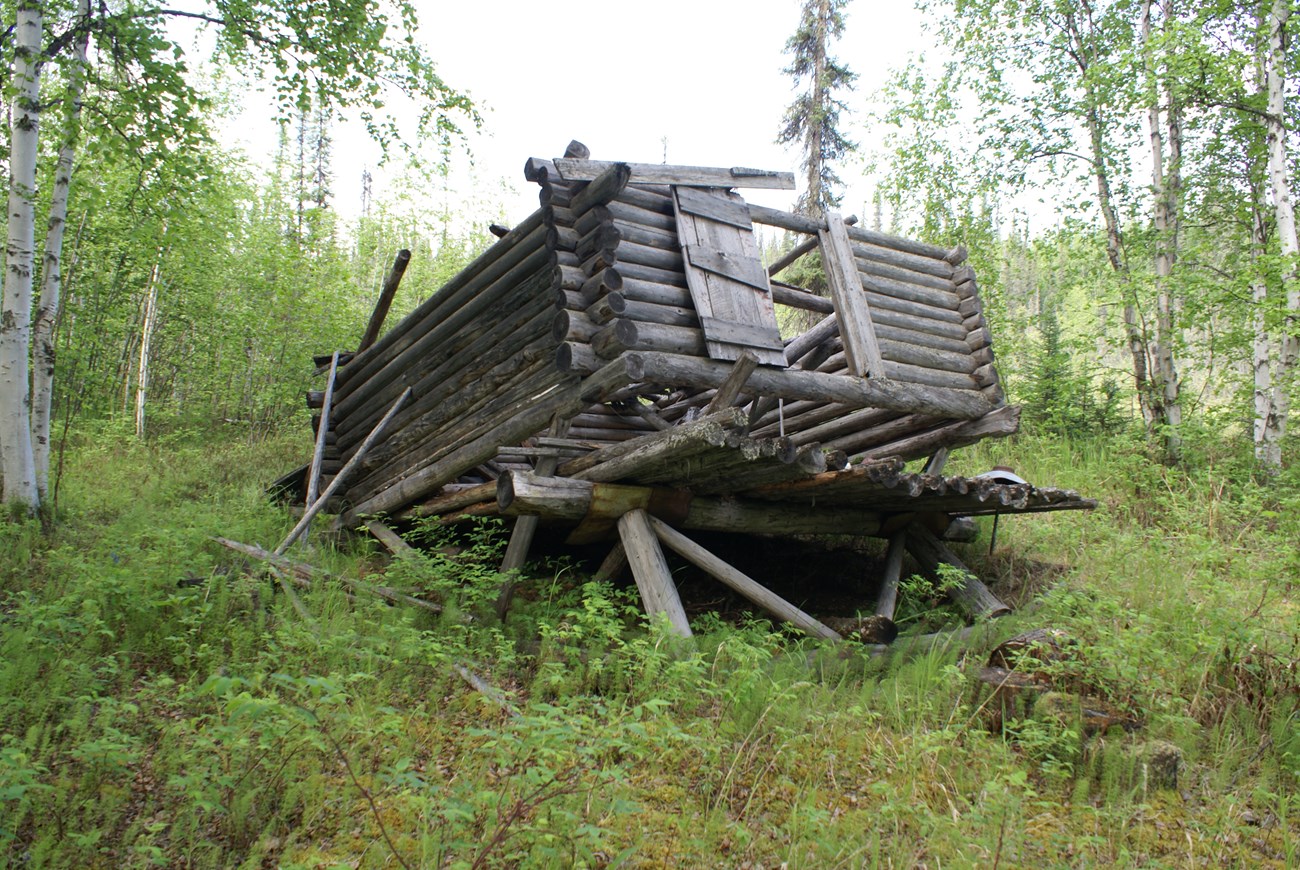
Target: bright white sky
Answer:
pixel 623 77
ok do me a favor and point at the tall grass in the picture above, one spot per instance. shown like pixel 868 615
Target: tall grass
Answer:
pixel 161 705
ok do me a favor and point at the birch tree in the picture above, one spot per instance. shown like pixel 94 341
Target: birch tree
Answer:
pixel 338 55
pixel 1272 412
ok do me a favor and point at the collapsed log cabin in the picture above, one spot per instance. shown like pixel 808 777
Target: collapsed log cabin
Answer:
pixel 615 368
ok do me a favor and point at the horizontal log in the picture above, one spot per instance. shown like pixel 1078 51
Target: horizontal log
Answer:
pixel 677 370
pixel 634 215
pixel 640 272
pixel 600 283
pixel 660 173
pixel 927 357
pixel 567 499
pixel 897 243
pixel 638 290
pixel 657 198
pixel 935 267
pixel 577 358
pixel 452 499
pixel 797 297
pixel 729 419
pixel 907 285
pixel 573 326
pixel 999 423
pixel 648 236
pixel 615 305
pixel 622 336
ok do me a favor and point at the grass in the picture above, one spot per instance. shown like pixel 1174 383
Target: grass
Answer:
pixel 146 723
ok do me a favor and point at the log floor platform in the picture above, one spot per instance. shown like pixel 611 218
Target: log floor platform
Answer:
pixel 621 367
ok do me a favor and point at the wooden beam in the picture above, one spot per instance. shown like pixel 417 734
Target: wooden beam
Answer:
pixel 730 388
pixel 687 176
pixel 972 595
pixel 521 538
pixel 650 570
pixel 861 348
pixel 386 295
pixel 740 582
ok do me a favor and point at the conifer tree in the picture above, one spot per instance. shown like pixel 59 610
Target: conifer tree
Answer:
pixel 813 119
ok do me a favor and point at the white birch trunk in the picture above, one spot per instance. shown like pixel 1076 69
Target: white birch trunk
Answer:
pixel 1284 211
pixel 16 307
pixel 47 314
pixel 1268 440
pixel 1168 412
pixel 146 339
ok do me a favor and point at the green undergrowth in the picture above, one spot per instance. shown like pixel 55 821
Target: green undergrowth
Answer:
pixel 162 704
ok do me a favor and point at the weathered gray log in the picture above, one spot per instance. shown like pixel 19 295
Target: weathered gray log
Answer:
pixel 656 198
pixel 521 537
pixel 612 566
pixel 797 297
pixel 616 305
pixel 566 498
pixel 322 434
pixel 650 570
pixel 971 595
pixel 739 582
pixel 887 601
pixel 573 326
pixel 729 389
pixel 605 184
pixel 452 499
pixel 577 358
pixel 305 573
pixel 340 478
pixel 927 357
pixel 386 294
pixel 663 368
pixel 853 315
pixel 633 214
pixel 673 278
pixel 999 423
pixel 923 289
pixel 673 447
pixel 637 290
pixel 728 419
pixel 660 173
pixel 622 336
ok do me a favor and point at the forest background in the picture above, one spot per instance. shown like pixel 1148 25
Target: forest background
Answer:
pixel 1120 172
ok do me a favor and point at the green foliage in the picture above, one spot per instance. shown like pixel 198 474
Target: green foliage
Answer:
pixel 147 723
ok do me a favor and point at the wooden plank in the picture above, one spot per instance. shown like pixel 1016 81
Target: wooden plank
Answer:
pixel 860 345
pixel 650 570
pixel 727 264
pixel 717 292
pixel 715 208
pixel 742 333
pixel 692 176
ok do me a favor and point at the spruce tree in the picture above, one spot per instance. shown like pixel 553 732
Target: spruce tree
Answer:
pixel 813 118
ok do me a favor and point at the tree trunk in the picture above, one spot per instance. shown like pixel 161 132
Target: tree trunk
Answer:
pixel 1268 437
pixel 1284 209
pixel 1165 407
pixel 47 314
pixel 147 323
pixel 16 461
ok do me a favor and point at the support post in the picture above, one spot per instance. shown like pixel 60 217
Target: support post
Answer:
pixel 650 569
pixel 521 538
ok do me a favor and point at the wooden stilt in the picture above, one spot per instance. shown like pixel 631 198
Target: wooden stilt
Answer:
pixel 615 564
pixel 972 596
pixel 739 582
pixel 653 580
pixel 887 603
pixel 525 528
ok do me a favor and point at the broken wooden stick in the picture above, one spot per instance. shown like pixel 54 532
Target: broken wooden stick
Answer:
pixel 308 572
pixel 341 477
pixel 386 295
pixel 313 473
